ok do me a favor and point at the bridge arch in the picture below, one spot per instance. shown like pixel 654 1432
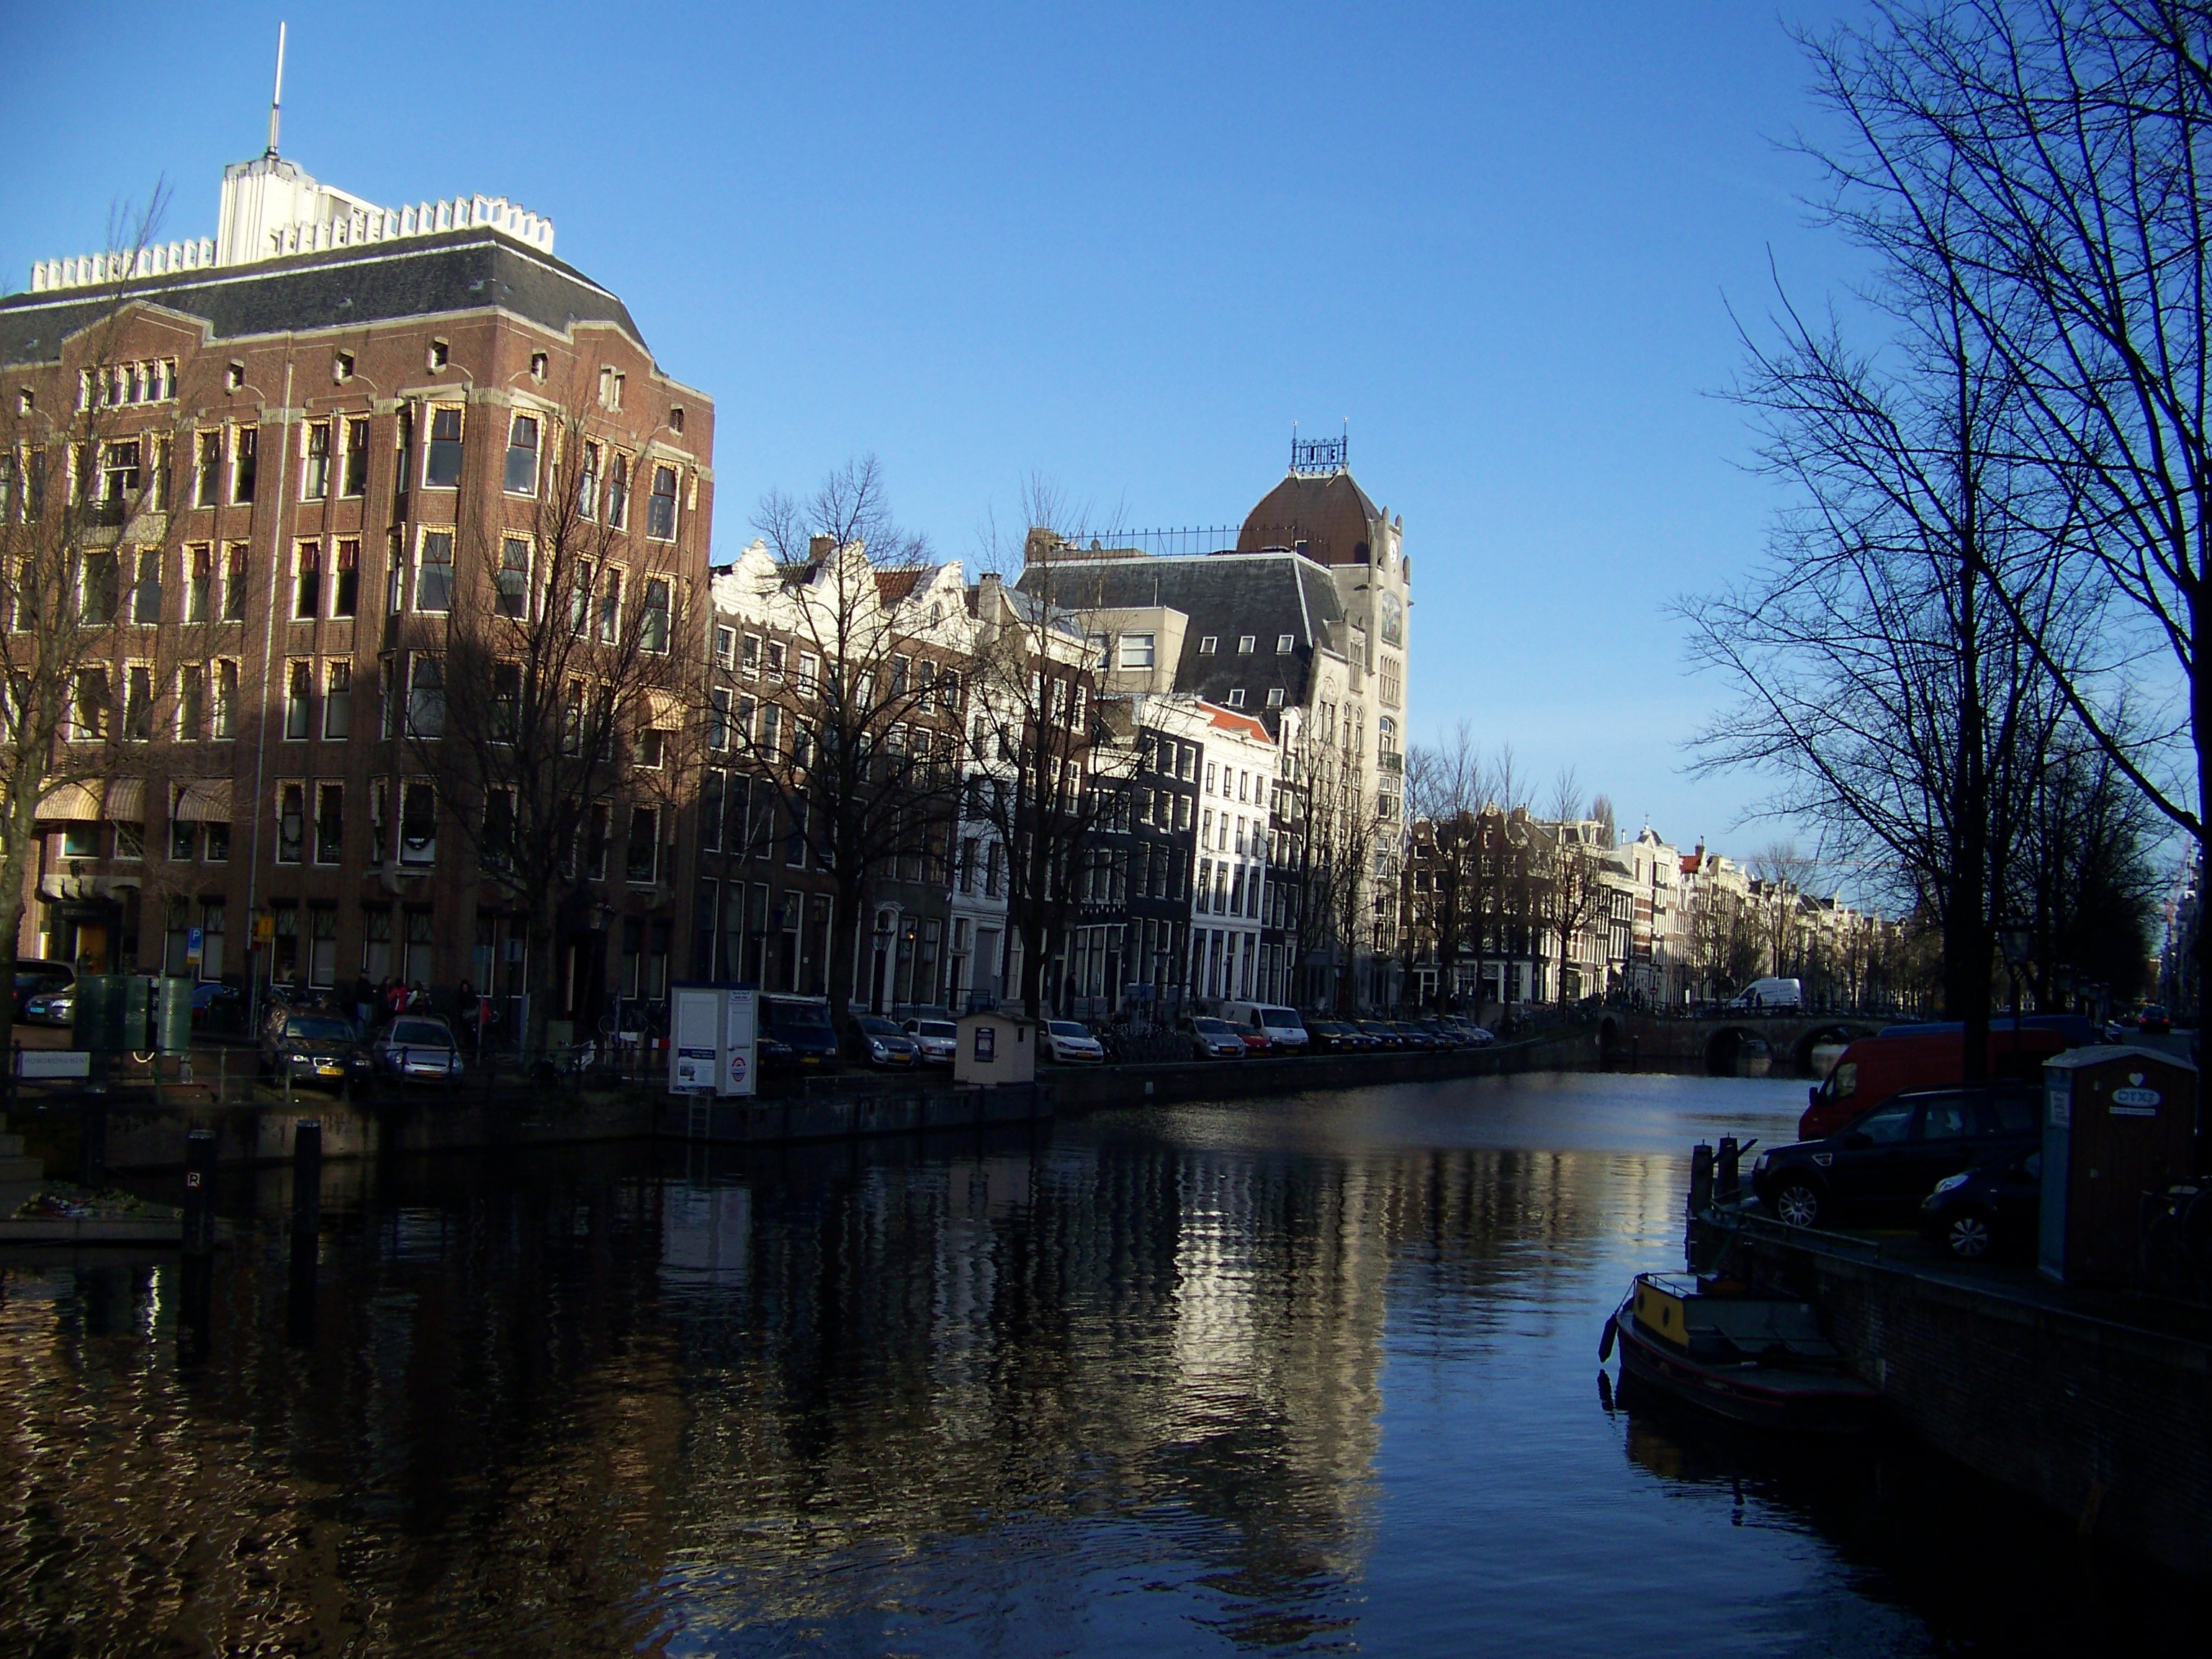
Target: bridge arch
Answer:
pixel 1801 1051
pixel 1725 1047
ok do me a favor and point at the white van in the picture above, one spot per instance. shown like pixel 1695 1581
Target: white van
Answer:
pixel 1285 1030
pixel 1770 993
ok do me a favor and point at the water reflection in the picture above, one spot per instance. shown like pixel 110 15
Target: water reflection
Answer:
pixel 1313 1374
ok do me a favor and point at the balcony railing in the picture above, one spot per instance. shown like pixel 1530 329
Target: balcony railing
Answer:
pixel 1390 761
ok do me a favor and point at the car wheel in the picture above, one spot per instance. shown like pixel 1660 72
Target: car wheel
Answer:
pixel 1967 1237
pixel 1798 1205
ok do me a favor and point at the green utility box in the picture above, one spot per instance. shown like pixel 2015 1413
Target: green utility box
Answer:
pixel 111 1012
pixel 172 1014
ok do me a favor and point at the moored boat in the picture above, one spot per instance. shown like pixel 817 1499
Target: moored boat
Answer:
pixel 1756 1359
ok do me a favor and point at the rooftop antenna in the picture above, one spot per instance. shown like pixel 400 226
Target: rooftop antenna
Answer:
pixel 276 98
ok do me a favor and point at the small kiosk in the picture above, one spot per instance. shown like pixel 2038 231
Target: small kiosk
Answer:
pixel 713 1032
pixel 2118 1123
pixel 995 1049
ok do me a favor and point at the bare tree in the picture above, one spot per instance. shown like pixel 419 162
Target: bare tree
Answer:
pixel 1336 851
pixel 2040 165
pixel 866 767
pixel 1047 759
pixel 91 654
pixel 561 698
pixel 1568 892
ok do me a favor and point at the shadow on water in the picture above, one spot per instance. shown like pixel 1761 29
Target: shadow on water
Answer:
pixel 1312 1375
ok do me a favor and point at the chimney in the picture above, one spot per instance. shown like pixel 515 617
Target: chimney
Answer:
pixel 988 598
pixel 819 547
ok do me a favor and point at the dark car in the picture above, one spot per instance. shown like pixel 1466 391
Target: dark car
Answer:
pixel 1385 1034
pixel 1337 1037
pixel 36 977
pixel 1994 1207
pixel 874 1040
pixel 218 1006
pixel 1412 1036
pixel 802 1025
pixel 1889 1159
pixel 2154 1021
pixel 1445 1035
pixel 308 1048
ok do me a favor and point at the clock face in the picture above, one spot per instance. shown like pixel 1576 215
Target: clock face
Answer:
pixel 1393 620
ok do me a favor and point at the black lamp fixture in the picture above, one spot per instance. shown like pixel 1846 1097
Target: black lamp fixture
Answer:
pixel 2017 941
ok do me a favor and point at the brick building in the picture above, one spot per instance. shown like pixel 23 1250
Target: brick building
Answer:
pixel 316 439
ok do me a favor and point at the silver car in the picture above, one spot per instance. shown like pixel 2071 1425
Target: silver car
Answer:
pixel 416 1046
pixel 938 1039
pixel 1067 1043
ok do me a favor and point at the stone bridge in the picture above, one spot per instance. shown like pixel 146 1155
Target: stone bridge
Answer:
pixel 1715 1042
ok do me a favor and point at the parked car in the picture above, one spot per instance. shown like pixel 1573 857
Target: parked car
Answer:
pixel 802 1025
pixel 1478 1036
pixel 1889 1157
pixel 1444 1035
pixel 1993 1207
pixel 51 1007
pixel 1385 1034
pixel 2154 1021
pixel 874 1040
pixel 217 1005
pixel 936 1040
pixel 1284 1028
pixel 1215 1039
pixel 1412 1036
pixel 36 977
pixel 308 1048
pixel 1068 1043
pixel 415 1048
pixel 1337 1037
pixel 1873 1069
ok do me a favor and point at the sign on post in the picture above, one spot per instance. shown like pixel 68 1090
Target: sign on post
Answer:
pixel 712 1040
pixel 36 1064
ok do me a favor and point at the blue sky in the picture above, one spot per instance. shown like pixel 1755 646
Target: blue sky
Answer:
pixel 1124 248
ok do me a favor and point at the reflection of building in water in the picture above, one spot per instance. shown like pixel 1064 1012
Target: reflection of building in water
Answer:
pixel 580 1414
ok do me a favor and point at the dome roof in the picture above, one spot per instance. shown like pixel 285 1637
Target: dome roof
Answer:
pixel 1329 512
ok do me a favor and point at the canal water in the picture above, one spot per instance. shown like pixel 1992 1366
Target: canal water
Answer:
pixel 1317 1374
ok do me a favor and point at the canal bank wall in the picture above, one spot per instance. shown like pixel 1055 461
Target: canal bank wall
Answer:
pixel 2074 1402
pixel 141 1135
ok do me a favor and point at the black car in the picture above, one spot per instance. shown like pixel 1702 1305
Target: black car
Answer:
pixel 311 1047
pixel 35 976
pixel 802 1025
pixel 1337 1037
pixel 1994 1207
pixel 1889 1159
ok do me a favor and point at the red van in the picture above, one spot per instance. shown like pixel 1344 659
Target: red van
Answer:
pixel 1873 1068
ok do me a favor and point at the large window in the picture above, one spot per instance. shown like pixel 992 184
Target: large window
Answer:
pixel 418 823
pixel 660 510
pixel 245 451
pixel 337 700
pixel 513 599
pixel 356 482
pixel 95 596
pixel 199 583
pixel 330 823
pixel 644 849
pixel 522 456
pixel 207 469
pixel 307 581
pixel 345 589
pixel 587 481
pixel 618 490
pixel 610 596
pixel 315 474
pixel 426 696
pixel 298 700
pixel 291 823
pixel 234 582
pixel 441 467
pixel 138 702
pixel 191 702
pixel 652 626
pixel 146 591
pixel 226 699
pixel 1136 650
pixel 433 577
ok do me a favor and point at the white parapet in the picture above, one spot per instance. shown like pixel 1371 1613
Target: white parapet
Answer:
pixel 271 209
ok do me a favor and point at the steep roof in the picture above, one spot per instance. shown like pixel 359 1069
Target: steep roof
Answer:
pixel 1225 595
pixel 472 268
pixel 1329 512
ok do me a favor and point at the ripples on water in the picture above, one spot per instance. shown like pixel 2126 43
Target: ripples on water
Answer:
pixel 1316 1374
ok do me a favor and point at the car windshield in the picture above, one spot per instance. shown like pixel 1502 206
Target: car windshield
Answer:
pixel 1281 1018
pixel 788 1016
pixel 319 1031
pixel 1067 1028
pixel 1886 1126
pixel 935 1028
pixel 877 1025
pixel 420 1032
pixel 1213 1027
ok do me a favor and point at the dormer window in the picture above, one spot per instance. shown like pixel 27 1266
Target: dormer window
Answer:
pixel 342 366
pixel 1208 644
pixel 676 418
pixel 537 366
pixel 233 377
pixel 1246 644
pixel 441 355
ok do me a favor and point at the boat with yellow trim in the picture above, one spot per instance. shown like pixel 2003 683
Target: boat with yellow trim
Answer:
pixel 1756 1359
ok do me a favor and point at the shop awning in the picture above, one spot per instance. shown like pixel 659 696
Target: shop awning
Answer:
pixel 126 800
pixel 70 803
pixel 204 800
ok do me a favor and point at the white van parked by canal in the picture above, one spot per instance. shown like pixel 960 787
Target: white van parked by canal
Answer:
pixel 1770 993
pixel 1285 1029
